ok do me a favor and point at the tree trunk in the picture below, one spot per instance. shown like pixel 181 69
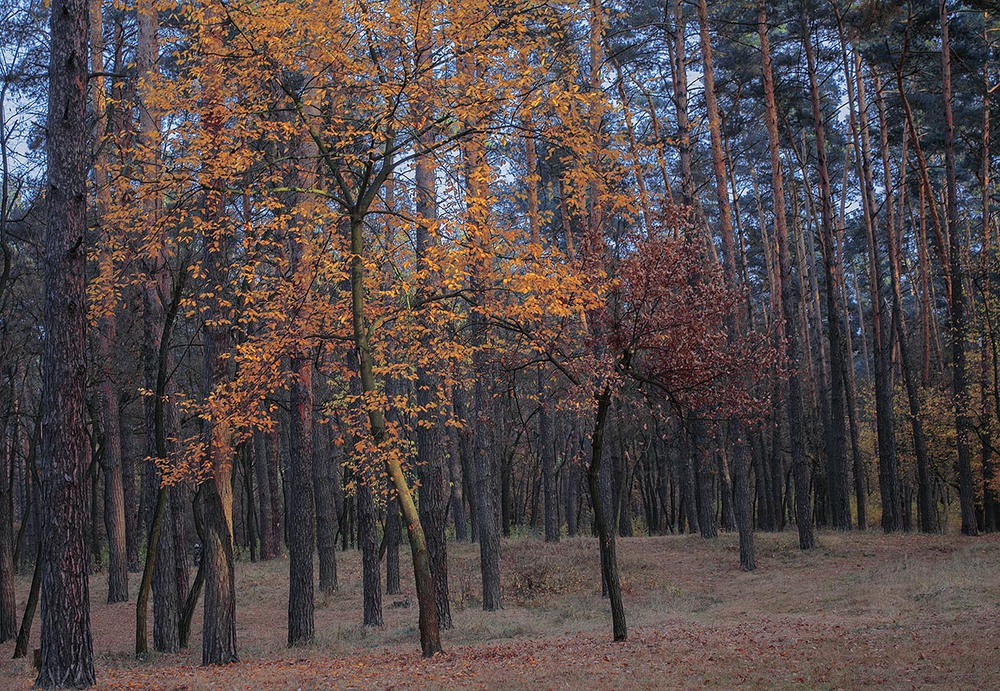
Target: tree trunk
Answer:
pixel 67 658
pixel 114 500
pixel 888 469
pixel 789 299
pixel 371 580
pixel 960 386
pixel 8 598
pixel 546 449
pixel 393 531
pixel 301 625
pixel 268 539
pixel 431 468
pixel 430 636
pixel 326 520
pixel 840 510
pixel 605 534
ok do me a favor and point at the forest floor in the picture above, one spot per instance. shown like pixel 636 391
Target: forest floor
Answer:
pixel 861 610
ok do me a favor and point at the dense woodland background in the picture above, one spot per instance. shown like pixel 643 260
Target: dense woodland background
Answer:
pixel 367 274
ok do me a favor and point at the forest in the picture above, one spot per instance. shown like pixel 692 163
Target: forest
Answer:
pixel 499 343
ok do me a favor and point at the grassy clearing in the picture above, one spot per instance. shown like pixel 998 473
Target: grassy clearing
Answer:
pixel 861 610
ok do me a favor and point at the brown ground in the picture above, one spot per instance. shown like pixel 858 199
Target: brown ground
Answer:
pixel 862 610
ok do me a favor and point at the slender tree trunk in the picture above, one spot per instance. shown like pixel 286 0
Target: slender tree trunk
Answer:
pixel 789 299
pixel 114 500
pixel 301 607
pixel 371 579
pixel 840 510
pixel 8 598
pixel 393 532
pixel 991 506
pixel 268 539
pixel 326 520
pixel 219 625
pixel 431 464
pixel 888 468
pixel 960 386
pixel 605 534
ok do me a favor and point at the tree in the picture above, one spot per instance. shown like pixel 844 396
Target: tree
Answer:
pixel 67 658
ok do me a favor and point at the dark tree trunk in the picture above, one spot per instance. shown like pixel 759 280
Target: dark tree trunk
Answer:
pixel 960 385
pixel 67 658
pixel 268 538
pixel 703 470
pixel 689 486
pixel 457 497
pixel 547 452
pixel 485 503
pixel 8 599
pixel 301 625
pixel 272 447
pixel 219 627
pixel 605 533
pixel 130 495
pixel 368 541
pixel 326 520
pixel 393 533
pixel 836 471
pixel 882 331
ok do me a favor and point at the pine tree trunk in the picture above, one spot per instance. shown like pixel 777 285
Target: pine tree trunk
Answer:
pixel 840 510
pixel 301 606
pixel 960 385
pixel 8 598
pixel 371 579
pixel 789 299
pixel 268 540
pixel 67 658
pixel 393 532
pixel 888 469
pixel 326 520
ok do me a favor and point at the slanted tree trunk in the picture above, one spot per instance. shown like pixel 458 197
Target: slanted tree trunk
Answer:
pixel 67 658
pixel 430 636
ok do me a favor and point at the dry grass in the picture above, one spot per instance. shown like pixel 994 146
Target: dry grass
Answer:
pixel 861 610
